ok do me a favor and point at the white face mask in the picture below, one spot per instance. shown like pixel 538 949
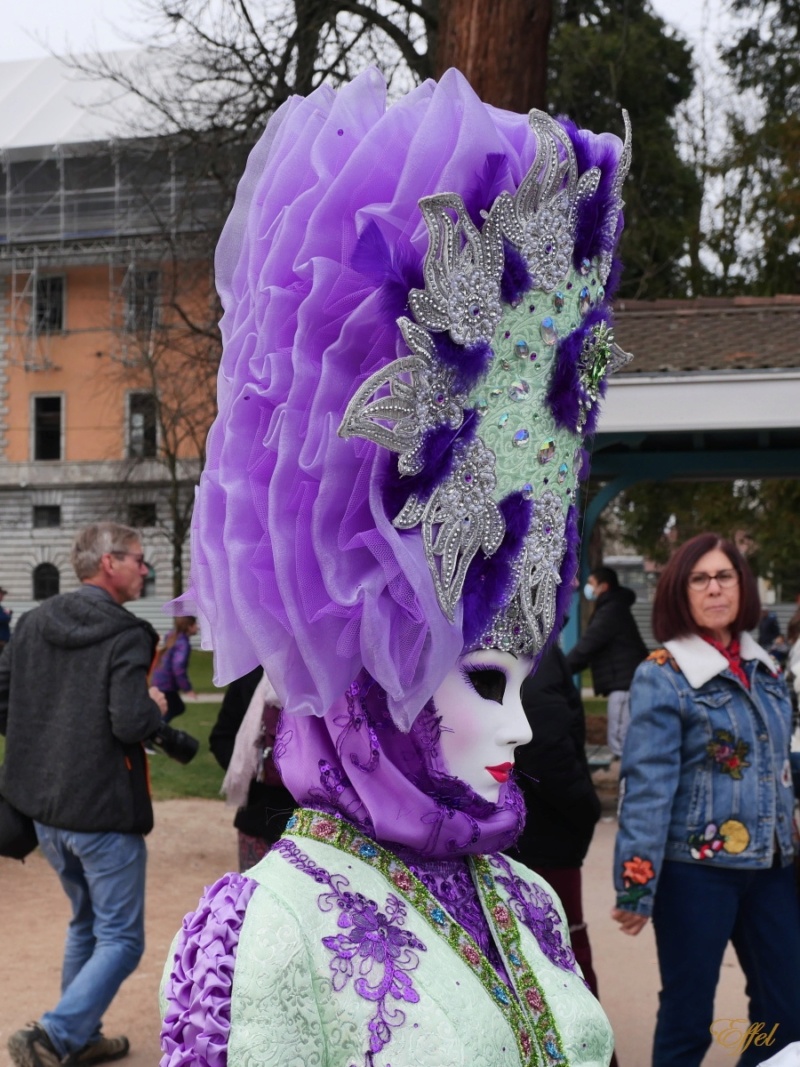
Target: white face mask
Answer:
pixel 588 591
pixel 482 718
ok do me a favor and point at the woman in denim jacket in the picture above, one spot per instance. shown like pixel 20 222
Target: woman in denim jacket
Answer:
pixel 705 827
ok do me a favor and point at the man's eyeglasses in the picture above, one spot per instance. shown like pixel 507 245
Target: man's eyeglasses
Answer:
pixel 138 557
pixel 699 580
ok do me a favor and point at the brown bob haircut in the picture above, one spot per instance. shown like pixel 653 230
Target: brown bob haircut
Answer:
pixel 671 614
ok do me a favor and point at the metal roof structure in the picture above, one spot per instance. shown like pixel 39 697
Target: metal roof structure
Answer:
pixel 45 105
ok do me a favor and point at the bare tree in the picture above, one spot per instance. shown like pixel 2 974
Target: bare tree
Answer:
pixel 226 65
pixel 193 99
pixel 165 353
pixel 204 82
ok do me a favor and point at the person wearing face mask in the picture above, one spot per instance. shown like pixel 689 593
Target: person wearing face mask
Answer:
pixel 612 647
pixel 705 844
pixel 387 524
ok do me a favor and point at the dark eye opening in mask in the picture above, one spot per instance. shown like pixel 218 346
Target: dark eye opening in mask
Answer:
pixel 488 682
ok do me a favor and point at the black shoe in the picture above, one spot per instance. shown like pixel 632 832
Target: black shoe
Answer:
pixel 32 1047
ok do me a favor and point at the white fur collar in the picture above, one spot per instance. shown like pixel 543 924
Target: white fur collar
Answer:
pixel 701 662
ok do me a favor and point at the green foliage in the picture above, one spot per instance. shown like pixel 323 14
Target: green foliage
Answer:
pixel 777 534
pixel 760 213
pixel 608 54
pixel 761 516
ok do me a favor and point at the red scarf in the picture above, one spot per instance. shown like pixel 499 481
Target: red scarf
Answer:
pixel 732 654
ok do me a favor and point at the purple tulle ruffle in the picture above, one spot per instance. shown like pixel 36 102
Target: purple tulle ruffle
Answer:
pixel 197 1022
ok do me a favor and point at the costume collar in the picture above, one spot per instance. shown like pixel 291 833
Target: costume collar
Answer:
pixel 700 662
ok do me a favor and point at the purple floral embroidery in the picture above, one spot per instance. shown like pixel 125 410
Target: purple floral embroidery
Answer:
pixel 357 719
pixel 373 950
pixel 534 907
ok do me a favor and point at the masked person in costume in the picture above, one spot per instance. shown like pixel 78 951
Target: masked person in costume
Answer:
pixel 416 337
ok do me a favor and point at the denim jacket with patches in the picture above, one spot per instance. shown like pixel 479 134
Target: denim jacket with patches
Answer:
pixel 705 774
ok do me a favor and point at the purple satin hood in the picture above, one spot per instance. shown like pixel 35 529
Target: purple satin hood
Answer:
pixel 356 763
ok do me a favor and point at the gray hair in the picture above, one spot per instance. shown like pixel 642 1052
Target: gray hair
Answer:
pixel 95 541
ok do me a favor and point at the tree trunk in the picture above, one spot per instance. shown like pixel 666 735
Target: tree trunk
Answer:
pixel 500 46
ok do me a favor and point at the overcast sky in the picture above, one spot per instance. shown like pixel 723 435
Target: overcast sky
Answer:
pixel 75 25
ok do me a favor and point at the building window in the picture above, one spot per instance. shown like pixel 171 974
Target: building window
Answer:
pixel 47 427
pixel 46 581
pixel 49 304
pixel 141 300
pixel 149 587
pixel 141 426
pixel 141 515
pixel 46 516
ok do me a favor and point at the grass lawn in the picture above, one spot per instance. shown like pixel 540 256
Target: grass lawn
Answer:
pixel 595 705
pixel 200 671
pixel 200 778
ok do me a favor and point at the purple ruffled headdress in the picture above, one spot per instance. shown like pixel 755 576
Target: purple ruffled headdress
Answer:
pixel 416 336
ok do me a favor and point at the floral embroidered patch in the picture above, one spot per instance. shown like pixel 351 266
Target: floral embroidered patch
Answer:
pixel 374 951
pixel 636 873
pixel 661 656
pixel 728 753
pixel 731 836
pixel 534 907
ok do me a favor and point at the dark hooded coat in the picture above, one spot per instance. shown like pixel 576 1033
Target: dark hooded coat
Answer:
pixel 611 646
pixel 74 707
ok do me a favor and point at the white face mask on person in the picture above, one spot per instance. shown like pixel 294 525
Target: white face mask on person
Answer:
pixel 482 718
pixel 588 591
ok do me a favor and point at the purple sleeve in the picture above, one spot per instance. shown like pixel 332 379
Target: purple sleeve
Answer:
pixel 197 991
pixel 162 675
pixel 180 661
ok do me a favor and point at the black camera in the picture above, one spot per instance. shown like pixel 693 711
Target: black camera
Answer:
pixel 176 744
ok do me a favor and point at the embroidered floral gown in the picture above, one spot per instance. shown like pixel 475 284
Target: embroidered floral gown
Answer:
pixel 333 952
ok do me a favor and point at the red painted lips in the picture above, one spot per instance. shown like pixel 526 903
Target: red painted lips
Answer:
pixel 501 772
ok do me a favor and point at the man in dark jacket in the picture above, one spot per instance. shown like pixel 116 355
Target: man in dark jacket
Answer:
pixel 75 707
pixel 612 647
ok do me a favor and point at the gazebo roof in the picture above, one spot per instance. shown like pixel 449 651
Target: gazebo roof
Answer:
pixel 709 334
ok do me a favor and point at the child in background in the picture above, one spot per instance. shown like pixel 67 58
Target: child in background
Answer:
pixel 170 675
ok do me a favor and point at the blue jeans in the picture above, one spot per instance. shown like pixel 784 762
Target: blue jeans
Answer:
pixel 697 911
pixel 103 874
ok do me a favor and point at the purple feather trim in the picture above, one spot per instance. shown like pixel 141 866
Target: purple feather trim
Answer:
pixel 493 179
pixel 470 362
pixel 565 396
pixel 592 236
pixel 516 279
pixel 489 581
pixel 438 458
pixel 394 269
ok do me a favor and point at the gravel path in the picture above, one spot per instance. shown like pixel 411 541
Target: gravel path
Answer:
pixel 193 843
